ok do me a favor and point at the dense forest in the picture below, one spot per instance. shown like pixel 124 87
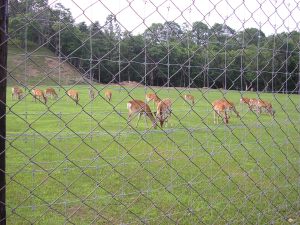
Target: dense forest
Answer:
pixel 166 53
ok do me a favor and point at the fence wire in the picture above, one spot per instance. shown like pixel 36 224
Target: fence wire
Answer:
pixel 151 112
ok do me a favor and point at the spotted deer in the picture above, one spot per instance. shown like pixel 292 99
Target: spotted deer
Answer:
pixel 189 98
pixel 73 94
pixel 50 92
pixel 39 94
pixel 229 106
pixel 163 111
pixel 152 97
pixel 260 105
pixel 108 95
pixel 91 94
pixel 138 107
pixel 16 93
pixel 220 111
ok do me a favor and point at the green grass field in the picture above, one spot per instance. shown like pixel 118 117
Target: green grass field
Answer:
pixel 84 164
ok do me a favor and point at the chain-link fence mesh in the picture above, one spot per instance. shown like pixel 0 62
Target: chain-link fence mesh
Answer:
pixel 218 137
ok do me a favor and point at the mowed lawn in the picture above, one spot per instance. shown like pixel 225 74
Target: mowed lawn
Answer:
pixel 84 164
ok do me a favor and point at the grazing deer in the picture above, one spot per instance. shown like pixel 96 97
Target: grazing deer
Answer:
pixel 220 109
pixel 152 97
pixel 163 111
pixel 91 94
pixel 50 92
pixel 138 107
pixel 108 95
pixel 74 95
pixel 229 106
pixel 16 93
pixel 38 93
pixel 245 101
pixel 189 98
pixel 259 105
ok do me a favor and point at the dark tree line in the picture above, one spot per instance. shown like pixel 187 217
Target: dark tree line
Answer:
pixel 164 54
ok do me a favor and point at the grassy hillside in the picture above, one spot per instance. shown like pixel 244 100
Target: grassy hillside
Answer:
pixel 85 162
pixel 40 67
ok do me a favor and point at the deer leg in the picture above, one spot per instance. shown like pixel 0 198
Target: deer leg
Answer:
pixel 146 119
pixel 225 117
pixel 129 118
pixel 214 117
pixel 139 117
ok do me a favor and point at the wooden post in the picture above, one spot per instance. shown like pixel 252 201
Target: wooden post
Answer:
pixel 3 78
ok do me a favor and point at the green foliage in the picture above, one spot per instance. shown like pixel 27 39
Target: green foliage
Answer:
pixel 199 53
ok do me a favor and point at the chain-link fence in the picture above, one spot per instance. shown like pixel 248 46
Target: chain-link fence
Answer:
pixel 150 112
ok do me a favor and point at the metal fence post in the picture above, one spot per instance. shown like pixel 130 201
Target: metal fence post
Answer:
pixel 3 74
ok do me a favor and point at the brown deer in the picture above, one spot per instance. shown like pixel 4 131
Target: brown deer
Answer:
pixel 163 111
pixel 91 94
pixel 220 109
pixel 138 107
pixel 189 98
pixel 108 95
pixel 229 106
pixel 73 94
pixel 260 105
pixel 50 92
pixel 16 93
pixel 247 101
pixel 152 97
pixel 38 94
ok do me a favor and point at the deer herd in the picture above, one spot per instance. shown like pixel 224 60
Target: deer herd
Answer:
pixel 221 107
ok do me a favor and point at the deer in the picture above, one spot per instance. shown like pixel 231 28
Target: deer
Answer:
pixel 16 93
pixel 220 108
pixel 138 107
pixel 259 104
pixel 73 94
pixel 108 95
pixel 163 111
pixel 38 93
pixel 50 92
pixel 152 97
pixel 189 98
pixel 229 106
pixel 91 94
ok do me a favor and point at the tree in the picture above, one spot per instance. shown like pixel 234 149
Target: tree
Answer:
pixel 200 32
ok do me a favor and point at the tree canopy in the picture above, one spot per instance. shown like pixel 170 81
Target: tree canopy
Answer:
pixel 188 54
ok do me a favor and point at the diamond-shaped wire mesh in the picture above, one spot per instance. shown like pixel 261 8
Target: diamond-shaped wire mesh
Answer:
pixel 214 138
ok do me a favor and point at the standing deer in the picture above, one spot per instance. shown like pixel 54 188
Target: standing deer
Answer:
pixel 74 95
pixel 38 93
pixel 220 109
pixel 16 93
pixel 108 95
pixel 259 105
pixel 152 97
pixel 189 98
pixel 138 107
pixel 50 92
pixel 91 94
pixel 229 106
pixel 163 111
